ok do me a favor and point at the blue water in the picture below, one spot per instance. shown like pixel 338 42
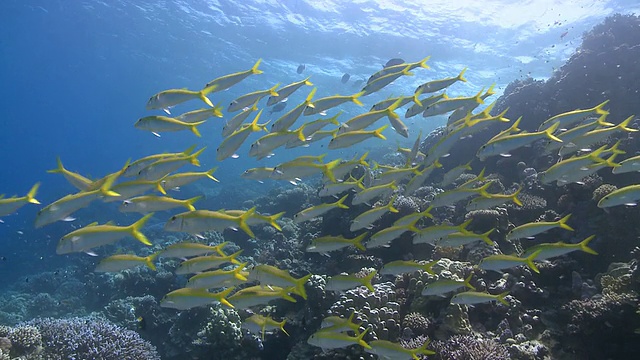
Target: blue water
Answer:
pixel 76 75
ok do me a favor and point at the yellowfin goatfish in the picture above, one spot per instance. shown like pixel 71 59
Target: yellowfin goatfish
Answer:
pixel 433 233
pixel 329 102
pixel 94 235
pixel 319 210
pixel 464 238
pixel 158 123
pixel 129 189
pixel 177 180
pixel 233 142
pixel 259 173
pixel 153 203
pixel 199 115
pixel 257 295
pixel 532 229
pixel 388 234
pixel 385 349
pixel 227 81
pixel 399 67
pixel 67 205
pixel 362 121
pixel 259 324
pixel 332 340
pixel 133 169
pixel 216 278
pixel 436 85
pixel 450 197
pixel 338 188
pixel 404 100
pixel 628 195
pixel 419 178
pixel 368 217
pixel 162 167
pixel 346 282
pixel 385 80
pixel 235 122
pixel 339 324
pixel 414 217
pixel 445 286
pixel 166 99
pixel 447 105
pixel 121 262
pixel 370 193
pixel 473 297
pixel 311 128
pixel 257 219
pixel 400 267
pixel 550 250
pixel 504 145
pixel 419 106
pixel 198 221
pixel 343 169
pixel 286 91
pixel 264 146
pixel 482 203
pixel 596 136
pixel 460 113
pixel 569 166
pixel 395 174
pixel 326 244
pixel 189 249
pixel 500 262
pixel 188 298
pixel 251 98
pixel 11 205
pixel 78 181
pixel 568 136
pixel 270 275
pixel 202 263
pixel 287 120
pixel 300 169
pixel 451 175
pixel 565 120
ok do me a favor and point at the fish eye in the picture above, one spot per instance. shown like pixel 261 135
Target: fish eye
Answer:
pixel 173 218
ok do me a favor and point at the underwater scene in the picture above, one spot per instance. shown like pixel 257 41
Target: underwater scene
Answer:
pixel 302 179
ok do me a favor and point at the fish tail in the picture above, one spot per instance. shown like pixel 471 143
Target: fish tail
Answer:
pixel 529 261
pixel 272 90
pixel 428 267
pixel 514 197
pixel 501 298
pixel 599 108
pixel 602 120
pixel 623 125
pixel 193 158
pixel 189 202
pixel 222 297
pixel 189 151
pixel 490 91
pixel 423 63
pixel 194 129
pixel 254 69
pixel 422 350
pixel 584 245
pixel 232 257
pixel 360 341
pixel 135 229
pixel 366 281
pixel 486 239
pixel 59 169
pixel 340 203
pixel 148 261
pixel 219 247
pixel 272 220
pixel 300 133
pixel 467 282
pixel 427 212
pixel 390 205
pixel 210 174
pixel 378 132
pixel 406 71
pixel 614 149
pixel 309 97
pixel 478 97
pixel 285 294
pixel 362 161
pixel 105 189
pixel 357 242
pixel 415 98
pixel 482 190
pixel 204 98
pixel 31 195
pixel 461 75
pixel 217 110
pixel 563 223
pixel 549 132
pixel 307 82
pixel 334 119
pixel 242 221
pixel 300 290
pixel 355 97
pixel 327 169
pixel 282 327
pixel 254 123
pixel 237 272
pixel 159 186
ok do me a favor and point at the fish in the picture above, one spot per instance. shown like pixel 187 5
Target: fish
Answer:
pixel 418 107
pixel 311 130
pixel 198 221
pixel 287 120
pixel 628 195
pixel 399 67
pixel 216 278
pixel 444 286
pixel 115 263
pixel 340 324
pixel 258 219
pixel 286 91
pixel 566 119
pixel 451 175
pixel 319 210
pixel 227 81
pixel 596 136
pixel 259 324
pixel 331 340
pixel 75 179
pixel 353 137
pixel 199 115
pixel 129 189
pixel 340 187
pixel 482 203
pixel 11 205
pixel 169 98
pixel 232 143
pixel 265 145
pixel 631 164
pixel 181 179
pixel 329 102
pixel 235 122
pixel 259 173
pixel 160 168
pixel 567 137
pixel 529 230
pixel 258 295
pixel 568 167
pixel 399 267
pixel 370 193
pixel 474 297
pixel 431 234
pixel 368 217
pixel 203 263
pixel 464 238
pixel 388 234
pixel 393 62
pixel 344 282
pixel 278 107
pixel 251 98
pixel 270 275
pixel 325 244
pixel 345 78
pixel 386 349
pixel 450 197
pixel 414 217
pixel 367 119
pixel 299 169
pixel 550 250
pixel 450 104
pixel 504 145
pixel 418 179
pixel 158 123
pixel 152 203
pixel 93 235
pixel 500 262
pixel 384 81
pixel 188 298
pixel 460 113
pixel 396 174
pixel 300 68
pixel 437 85
pixel 133 169
pixel 190 249
pixel 345 168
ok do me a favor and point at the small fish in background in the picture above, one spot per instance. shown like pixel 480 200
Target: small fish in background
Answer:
pixel 393 62
pixel 278 107
pixel 301 68
pixel 345 78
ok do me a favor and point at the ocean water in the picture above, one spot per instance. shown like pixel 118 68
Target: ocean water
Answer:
pixel 76 75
